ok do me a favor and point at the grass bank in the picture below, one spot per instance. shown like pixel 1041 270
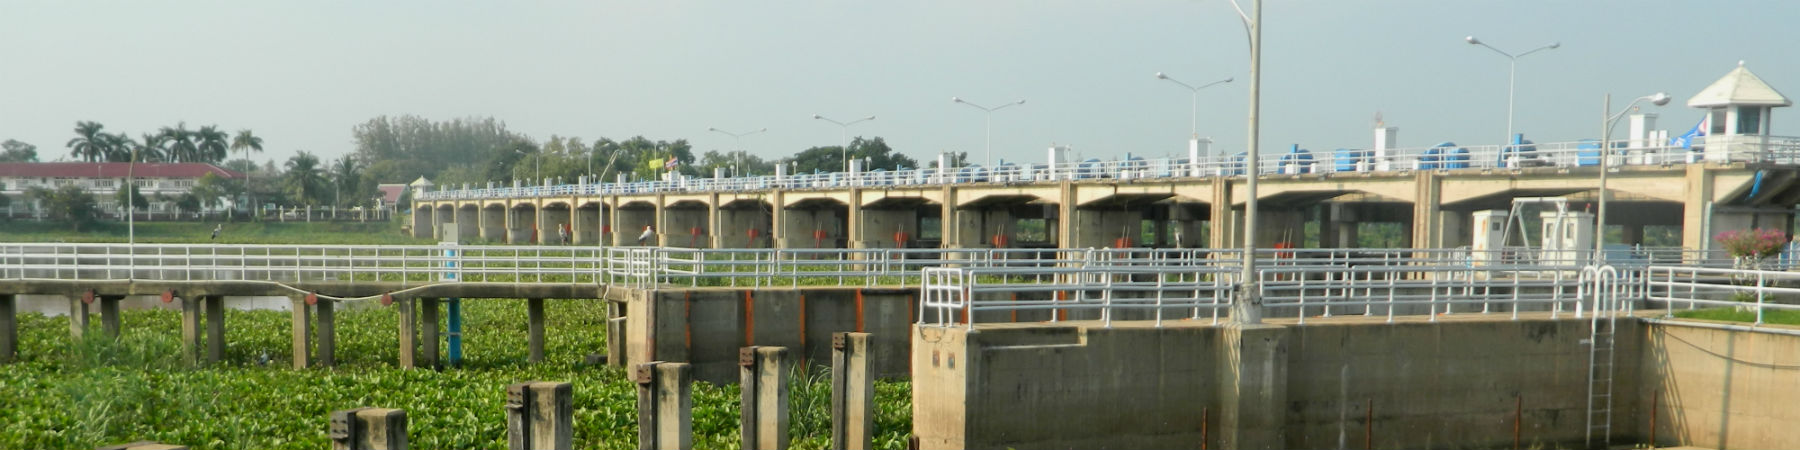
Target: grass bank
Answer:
pixel 201 232
pixel 100 391
pixel 1771 316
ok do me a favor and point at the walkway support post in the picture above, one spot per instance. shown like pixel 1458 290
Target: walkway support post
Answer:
pixel 9 328
pixel 852 392
pixel 109 315
pixel 409 333
pixel 428 331
pixel 540 415
pixel 368 429
pixel 763 386
pixel 327 317
pixel 534 313
pixel 78 316
pixel 190 329
pixel 215 328
pixel 302 324
pixel 665 405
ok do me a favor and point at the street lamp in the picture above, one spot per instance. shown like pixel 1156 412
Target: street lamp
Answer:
pixel 990 123
pixel 1512 71
pixel 1247 308
pixel 843 135
pixel 1193 101
pixel 537 163
pixel 739 137
pixel 1608 120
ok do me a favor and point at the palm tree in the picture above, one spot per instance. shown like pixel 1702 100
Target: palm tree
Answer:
pixel 212 144
pixel 181 144
pixel 247 142
pixel 118 147
pixel 303 180
pixel 346 175
pixel 90 142
pixel 151 148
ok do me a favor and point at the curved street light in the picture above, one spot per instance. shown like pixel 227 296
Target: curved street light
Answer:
pixel 1512 70
pixel 1193 101
pixel 1607 122
pixel 739 138
pixel 990 122
pixel 844 135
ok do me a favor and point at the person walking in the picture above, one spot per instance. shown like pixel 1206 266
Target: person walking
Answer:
pixel 562 235
pixel 649 232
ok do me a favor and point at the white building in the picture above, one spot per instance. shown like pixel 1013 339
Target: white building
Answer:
pixel 103 180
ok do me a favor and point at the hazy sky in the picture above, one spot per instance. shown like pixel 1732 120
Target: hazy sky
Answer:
pixel 302 74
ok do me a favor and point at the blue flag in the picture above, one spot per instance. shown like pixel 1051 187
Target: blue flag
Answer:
pixel 1687 140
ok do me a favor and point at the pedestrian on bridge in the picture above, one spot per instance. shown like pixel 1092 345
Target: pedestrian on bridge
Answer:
pixel 649 232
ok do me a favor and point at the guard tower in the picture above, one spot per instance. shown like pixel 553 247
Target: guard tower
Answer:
pixel 1737 120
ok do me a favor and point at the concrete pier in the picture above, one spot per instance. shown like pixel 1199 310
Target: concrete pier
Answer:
pixel 763 397
pixel 78 316
pixel 368 429
pixel 665 405
pixel 109 315
pixel 215 328
pixel 302 331
pixel 190 329
pixel 409 334
pixel 9 328
pixel 540 415
pixel 428 332
pixel 852 392
pixel 1252 387
pixel 534 313
pixel 327 332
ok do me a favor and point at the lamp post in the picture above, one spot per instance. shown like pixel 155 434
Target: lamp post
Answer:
pixel 1608 120
pixel 990 123
pixel 1512 70
pixel 843 136
pixel 739 138
pixel 537 163
pixel 1193 100
pixel 1247 308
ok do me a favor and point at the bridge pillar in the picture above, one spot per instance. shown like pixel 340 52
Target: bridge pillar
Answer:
pixel 409 334
pixel 629 222
pixel 586 222
pixel 520 223
pixel 215 328
pixel 551 223
pixel 109 315
pixel 737 220
pixel 1227 218
pixel 534 315
pixel 78 318
pixel 327 332
pixel 428 332
pixel 493 224
pixel 190 329
pixel 9 328
pixel 443 214
pixel 1427 222
pixel 301 319
pixel 686 224
pixel 468 223
pixel 421 221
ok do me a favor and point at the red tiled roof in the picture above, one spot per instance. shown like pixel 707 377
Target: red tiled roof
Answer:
pixel 390 193
pixel 113 170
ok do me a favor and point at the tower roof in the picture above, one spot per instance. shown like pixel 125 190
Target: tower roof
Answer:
pixel 421 182
pixel 1740 87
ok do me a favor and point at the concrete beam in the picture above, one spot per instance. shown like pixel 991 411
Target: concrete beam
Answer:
pixel 665 405
pixel 763 396
pixel 540 415
pixel 852 392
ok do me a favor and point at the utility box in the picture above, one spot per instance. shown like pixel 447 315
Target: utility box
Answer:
pixel 1489 236
pixel 1568 238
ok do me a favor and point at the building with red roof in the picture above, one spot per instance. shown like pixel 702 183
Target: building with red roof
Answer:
pixel 103 180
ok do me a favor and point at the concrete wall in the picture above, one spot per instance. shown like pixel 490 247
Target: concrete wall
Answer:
pixel 879 225
pixel 680 225
pixel 706 326
pixel 1450 384
pixel 802 223
pixel 1715 388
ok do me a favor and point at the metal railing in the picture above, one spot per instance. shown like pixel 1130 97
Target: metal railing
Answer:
pixel 1694 287
pixel 957 295
pixel 1779 150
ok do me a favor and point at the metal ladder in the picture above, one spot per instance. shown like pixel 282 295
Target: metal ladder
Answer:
pixel 1601 346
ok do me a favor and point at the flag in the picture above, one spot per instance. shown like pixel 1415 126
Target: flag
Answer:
pixel 670 165
pixel 1687 140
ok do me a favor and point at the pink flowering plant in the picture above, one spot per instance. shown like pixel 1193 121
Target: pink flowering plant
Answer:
pixel 1752 244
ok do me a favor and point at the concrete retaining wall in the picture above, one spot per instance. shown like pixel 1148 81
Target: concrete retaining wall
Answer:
pixel 1718 388
pixel 705 327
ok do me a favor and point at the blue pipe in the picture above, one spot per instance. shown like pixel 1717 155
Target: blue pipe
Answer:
pixel 1757 185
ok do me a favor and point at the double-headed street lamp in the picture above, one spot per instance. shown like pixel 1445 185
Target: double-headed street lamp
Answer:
pixel 844 135
pixel 537 165
pixel 739 139
pixel 990 123
pixel 1512 70
pixel 1607 121
pixel 1193 101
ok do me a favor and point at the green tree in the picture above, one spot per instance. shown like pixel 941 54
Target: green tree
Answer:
pixel 119 147
pixel 212 190
pixel 347 181
pixel 247 142
pixel 831 159
pixel 181 147
pixel 137 199
pixel 151 148
pixel 188 203
pixel 15 151
pixel 90 142
pixel 68 203
pixel 210 144
pixel 304 183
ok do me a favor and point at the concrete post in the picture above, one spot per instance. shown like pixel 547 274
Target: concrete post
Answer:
pixel 428 323
pixel 190 329
pixel 215 328
pixel 368 429
pixel 143 445
pixel 665 406
pixel 109 315
pixel 615 333
pixel 763 418
pixel 1253 387
pixel 9 328
pixel 327 332
pixel 409 334
pixel 852 392
pixel 534 314
pixel 301 318
pixel 540 415
pixel 78 318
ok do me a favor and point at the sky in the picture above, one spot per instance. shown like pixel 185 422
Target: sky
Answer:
pixel 303 74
